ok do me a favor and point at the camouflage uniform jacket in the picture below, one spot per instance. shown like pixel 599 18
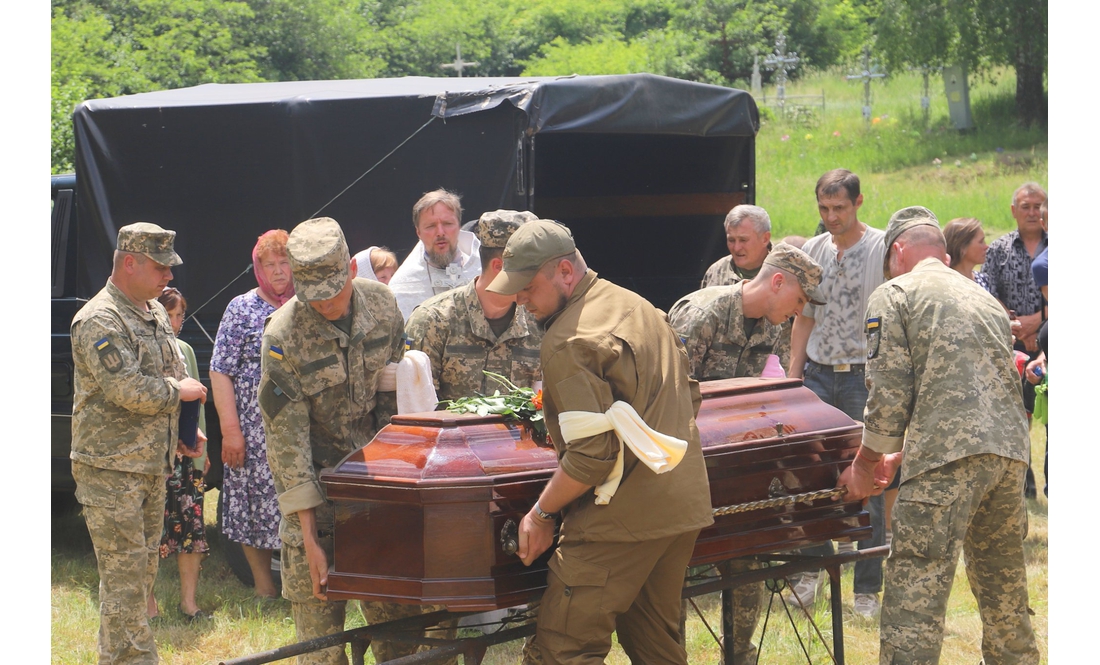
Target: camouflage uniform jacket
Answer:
pixel 610 344
pixel 126 382
pixel 711 323
pixel 724 272
pixel 452 330
pixel 940 372
pixel 318 391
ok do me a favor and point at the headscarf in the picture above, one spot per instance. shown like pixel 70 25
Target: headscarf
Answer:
pixel 363 265
pixel 261 279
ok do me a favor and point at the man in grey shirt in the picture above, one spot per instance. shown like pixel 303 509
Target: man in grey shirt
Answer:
pixel 829 346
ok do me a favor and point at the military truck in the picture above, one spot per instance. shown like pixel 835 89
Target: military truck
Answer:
pixel 642 168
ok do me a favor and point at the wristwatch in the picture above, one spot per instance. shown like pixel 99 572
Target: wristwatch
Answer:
pixel 543 515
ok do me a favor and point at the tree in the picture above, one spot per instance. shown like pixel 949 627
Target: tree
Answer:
pixel 977 33
pixel 106 48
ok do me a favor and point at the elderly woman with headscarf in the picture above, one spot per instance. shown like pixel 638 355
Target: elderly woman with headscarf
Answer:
pixel 251 510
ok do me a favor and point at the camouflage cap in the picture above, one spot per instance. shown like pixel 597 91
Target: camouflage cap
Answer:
pixel 318 259
pixel 798 263
pixel 494 228
pixel 530 246
pixel 150 240
pixel 900 222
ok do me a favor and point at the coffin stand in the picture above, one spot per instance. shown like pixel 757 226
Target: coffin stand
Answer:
pixel 426 513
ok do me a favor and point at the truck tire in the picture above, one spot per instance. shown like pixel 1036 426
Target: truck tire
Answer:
pixel 234 556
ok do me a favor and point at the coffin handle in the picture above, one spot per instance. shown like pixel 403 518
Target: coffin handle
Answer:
pixel 509 537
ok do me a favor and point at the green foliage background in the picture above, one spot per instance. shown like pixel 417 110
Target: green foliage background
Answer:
pixel 107 48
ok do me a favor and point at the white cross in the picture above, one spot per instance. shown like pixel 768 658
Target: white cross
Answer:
pixel 459 64
pixel 869 72
pixel 781 61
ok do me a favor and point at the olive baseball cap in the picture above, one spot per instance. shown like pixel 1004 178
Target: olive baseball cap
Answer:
pixel 900 222
pixel 530 246
pixel 798 263
pixel 318 259
pixel 150 240
pixel 495 228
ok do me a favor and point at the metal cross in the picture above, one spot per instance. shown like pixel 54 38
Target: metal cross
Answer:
pixel 869 72
pixel 925 100
pixel 459 64
pixel 781 62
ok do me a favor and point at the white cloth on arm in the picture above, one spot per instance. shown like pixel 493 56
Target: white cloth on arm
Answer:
pixel 412 379
pixel 659 452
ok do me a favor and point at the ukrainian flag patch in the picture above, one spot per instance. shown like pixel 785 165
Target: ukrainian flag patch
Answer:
pixel 872 323
pixel 275 352
pixel 102 344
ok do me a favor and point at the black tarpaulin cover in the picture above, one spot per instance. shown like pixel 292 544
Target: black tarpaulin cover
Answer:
pixel 221 164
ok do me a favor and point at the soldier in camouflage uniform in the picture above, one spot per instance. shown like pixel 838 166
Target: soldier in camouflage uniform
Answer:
pixel 945 394
pixel 748 237
pixel 322 357
pixel 129 382
pixel 729 331
pixel 456 332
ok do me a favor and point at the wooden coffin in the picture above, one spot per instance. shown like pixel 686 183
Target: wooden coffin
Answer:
pixel 426 512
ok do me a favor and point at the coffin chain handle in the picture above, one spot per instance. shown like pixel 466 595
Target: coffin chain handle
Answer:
pixel 776 502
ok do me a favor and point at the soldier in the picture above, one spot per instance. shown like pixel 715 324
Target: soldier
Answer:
pixel 730 331
pixel 469 329
pixel 620 562
pixel 129 382
pixel 945 394
pixel 748 237
pixel 322 357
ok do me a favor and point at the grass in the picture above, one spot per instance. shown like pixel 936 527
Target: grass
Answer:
pixel 894 155
pixel 243 625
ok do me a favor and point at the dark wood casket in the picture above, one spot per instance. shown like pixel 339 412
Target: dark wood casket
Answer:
pixel 426 512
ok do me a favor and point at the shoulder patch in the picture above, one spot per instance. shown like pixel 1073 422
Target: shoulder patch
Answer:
pixel 873 336
pixel 275 352
pixel 109 356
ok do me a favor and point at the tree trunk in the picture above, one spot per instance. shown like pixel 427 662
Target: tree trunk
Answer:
pixel 1031 63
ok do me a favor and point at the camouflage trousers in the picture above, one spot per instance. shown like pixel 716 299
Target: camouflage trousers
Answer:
pixel 316 618
pixel 974 505
pixel 746 610
pixel 125 517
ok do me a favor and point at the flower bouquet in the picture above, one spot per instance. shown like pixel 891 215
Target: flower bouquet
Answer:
pixel 522 404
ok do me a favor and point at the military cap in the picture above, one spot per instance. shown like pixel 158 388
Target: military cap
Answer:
pixel 798 263
pixel 150 240
pixel 494 228
pixel 900 222
pixel 532 245
pixel 318 259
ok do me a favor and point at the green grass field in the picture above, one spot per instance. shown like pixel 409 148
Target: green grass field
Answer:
pixel 894 155
pixel 894 158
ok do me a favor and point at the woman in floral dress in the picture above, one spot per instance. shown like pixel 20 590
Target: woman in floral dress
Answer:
pixel 251 511
pixel 184 532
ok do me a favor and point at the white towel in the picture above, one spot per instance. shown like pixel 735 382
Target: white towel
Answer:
pixel 659 452
pixel 412 379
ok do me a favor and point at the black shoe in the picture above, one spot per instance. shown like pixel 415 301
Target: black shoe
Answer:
pixel 197 616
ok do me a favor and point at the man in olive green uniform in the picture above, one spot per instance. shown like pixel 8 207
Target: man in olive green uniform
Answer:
pixel 469 330
pixel 730 331
pixel 129 382
pixel 944 394
pixel 748 238
pixel 322 358
pixel 620 566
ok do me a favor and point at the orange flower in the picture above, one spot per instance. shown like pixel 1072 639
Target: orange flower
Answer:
pixel 537 401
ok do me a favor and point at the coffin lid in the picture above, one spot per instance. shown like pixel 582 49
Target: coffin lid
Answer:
pixel 444 449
